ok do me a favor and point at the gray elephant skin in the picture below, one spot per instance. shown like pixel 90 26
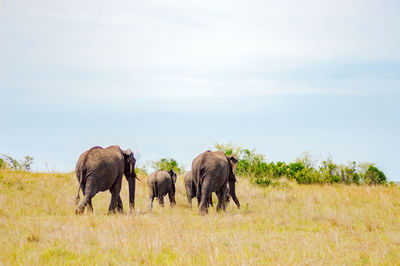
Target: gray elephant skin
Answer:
pixel 101 169
pixel 190 188
pixel 212 172
pixel 161 183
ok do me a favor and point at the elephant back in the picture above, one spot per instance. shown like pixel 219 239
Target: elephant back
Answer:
pixel 108 160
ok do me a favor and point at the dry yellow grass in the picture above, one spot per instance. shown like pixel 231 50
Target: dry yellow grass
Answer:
pixel 312 225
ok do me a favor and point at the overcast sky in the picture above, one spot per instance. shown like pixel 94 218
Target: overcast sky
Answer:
pixel 170 78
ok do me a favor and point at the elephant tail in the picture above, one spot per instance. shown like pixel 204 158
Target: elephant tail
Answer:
pixel 77 196
pixel 200 177
pixel 155 189
pixel 80 175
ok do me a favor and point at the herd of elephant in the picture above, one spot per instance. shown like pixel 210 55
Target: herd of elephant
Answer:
pixel 100 169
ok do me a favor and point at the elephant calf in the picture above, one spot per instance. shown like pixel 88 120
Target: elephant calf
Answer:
pixel 190 187
pixel 160 184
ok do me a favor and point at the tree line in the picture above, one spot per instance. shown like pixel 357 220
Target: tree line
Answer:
pixel 304 169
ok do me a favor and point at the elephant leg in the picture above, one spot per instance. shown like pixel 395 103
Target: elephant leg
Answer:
pixel 115 190
pixel 161 200
pixel 205 197
pixel 151 198
pixel 120 206
pixel 221 198
pixel 81 208
pixel 189 198
pixel 89 206
pixel 113 203
pixel 189 195
pixel 211 201
pixel 89 192
pixel 172 201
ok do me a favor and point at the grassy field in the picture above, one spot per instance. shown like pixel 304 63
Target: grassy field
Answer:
pixel 295 224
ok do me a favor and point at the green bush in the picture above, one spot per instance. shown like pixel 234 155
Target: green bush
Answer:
pixel 308 176
pixel 294 169
pixel 2 164
pixel 304 170
pixel 374 176
pixel 167 164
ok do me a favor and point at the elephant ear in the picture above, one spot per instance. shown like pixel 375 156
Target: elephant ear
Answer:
pixel 172 175
pixel 130 162
pixel 127 153
pixel 232 159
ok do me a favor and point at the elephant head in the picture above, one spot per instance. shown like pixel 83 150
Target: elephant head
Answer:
pixel 130 175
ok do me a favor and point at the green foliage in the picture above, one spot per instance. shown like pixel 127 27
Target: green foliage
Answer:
pixel 250 163
pixel 167 164
pixel 140 170
pixel 2 164
pixel 374 176
pixel 294 169
pixel 305 170
pixel 20 165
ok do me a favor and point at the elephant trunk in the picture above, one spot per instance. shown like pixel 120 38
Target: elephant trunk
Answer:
pixel 132 184
pixel 232 192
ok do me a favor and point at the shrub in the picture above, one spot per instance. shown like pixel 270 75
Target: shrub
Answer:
pixel 2 164
pixel 304 170
pixel 349 175
pixel 19 165
pixel 294 169
pixel 167 164
pixel 374 176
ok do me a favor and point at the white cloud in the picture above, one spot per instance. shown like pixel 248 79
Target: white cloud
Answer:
pixel 192 49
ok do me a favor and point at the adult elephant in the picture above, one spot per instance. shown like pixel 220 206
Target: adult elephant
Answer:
pixel 212 172
pixel 161 183
pixel 101 169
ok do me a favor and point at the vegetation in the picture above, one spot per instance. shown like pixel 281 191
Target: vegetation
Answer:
pixel 277 224
pixel 167 164
pixel 304 170
pixel 20 165
pixel 295 224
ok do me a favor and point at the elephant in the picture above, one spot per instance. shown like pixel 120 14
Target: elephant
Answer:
pixel 161 183
pixel 100 169
pixel 190 187
pixel 214 172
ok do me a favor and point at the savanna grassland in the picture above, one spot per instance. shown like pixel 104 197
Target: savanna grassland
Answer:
pixel 290 224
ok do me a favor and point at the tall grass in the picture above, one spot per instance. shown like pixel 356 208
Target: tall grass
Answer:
pixel 292 224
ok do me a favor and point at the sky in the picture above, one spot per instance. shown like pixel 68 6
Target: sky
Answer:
pixel 171 78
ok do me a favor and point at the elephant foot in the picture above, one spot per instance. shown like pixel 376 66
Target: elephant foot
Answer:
pixel 76 201
pixel 79 211
pixel 203 211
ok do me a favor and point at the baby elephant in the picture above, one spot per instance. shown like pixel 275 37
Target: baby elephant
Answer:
pixel 190 187
pixel 160 184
